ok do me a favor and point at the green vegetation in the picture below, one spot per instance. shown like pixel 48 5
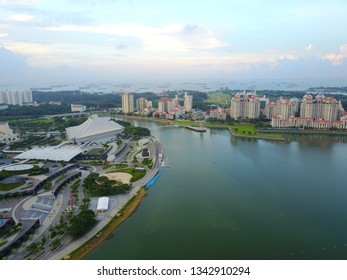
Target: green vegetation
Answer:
pixel 75 185
pixel 219 98
pixel 121 216
pixel 82 223
pixel 48 186
pixel 23 126
pixel 5 174
pixel 35 247
pixel 148 162
pixel 96 185
pixel 55 243
pixel 61 177
pixel 36 170
pixel 130 130
pixel 182 122
pixel 8 187
pixel 136 174
pixel 34 111
pixel 2 243
pixel 12 230
pixel 106 100
pixel 250 130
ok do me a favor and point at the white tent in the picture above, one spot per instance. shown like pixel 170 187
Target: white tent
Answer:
pixel 102 204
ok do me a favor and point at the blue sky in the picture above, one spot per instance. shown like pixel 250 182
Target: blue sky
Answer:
pixel 129 40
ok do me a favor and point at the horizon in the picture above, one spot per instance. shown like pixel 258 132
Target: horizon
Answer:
pixel 78 42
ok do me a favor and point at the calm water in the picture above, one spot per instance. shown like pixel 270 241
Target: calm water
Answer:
pixel 227 198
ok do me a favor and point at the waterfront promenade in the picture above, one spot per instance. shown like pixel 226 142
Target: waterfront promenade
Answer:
pixel 75 244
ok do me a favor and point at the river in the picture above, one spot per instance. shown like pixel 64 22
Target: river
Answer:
pixel 228 198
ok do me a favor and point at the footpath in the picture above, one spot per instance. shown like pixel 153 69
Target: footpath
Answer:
pixel 79 242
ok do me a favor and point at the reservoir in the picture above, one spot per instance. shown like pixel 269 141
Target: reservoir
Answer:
pixel 228 198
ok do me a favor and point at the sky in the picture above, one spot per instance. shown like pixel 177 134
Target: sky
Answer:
pixel 81 41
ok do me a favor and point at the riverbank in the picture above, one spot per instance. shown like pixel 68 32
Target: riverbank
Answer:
pixel 302 131
pixel 264 137
pixel 208 125
pixel 108 230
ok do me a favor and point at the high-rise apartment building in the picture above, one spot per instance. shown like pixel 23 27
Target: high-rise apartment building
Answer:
pixel 166 105
pixel 15 97
pixel 245 105
pixel 320 107
pixel 127 102
pixel 188 102
pixel 141 104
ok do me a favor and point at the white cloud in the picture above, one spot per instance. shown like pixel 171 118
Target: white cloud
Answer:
pixel 173 37
pixel 309 48
pixel 20 3
pixel 20 17
pixel 337 58
pixel 3 35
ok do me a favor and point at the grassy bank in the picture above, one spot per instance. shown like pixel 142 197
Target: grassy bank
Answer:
pixel 249 131
pixel 126 212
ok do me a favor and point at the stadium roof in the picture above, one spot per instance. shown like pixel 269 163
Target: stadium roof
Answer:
pixel 94 126
pixel 56 153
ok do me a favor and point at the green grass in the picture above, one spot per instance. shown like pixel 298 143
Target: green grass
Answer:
pixel 183 122
pixel 3 242
pixel 250 130
pixel 8 187
pixel 136 174
pixel 61 177
pixel 219 98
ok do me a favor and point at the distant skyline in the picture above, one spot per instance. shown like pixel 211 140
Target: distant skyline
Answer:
pixel 85 41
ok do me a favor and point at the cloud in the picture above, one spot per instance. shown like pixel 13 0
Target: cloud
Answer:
pixel 337 58
pixel 20 17
pixel 309 48
pixel 11 63
pixel 121 47
pixel 173 37
pixel 3 35
pixel 20 3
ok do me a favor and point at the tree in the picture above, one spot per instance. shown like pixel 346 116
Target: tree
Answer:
pixel 82 223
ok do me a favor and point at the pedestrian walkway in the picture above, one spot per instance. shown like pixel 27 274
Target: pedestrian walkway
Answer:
pixel 79 242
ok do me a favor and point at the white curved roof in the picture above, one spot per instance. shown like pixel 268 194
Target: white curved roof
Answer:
pixel 95 125
pixel 103 203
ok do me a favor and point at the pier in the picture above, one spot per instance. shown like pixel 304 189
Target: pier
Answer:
pixel 196 128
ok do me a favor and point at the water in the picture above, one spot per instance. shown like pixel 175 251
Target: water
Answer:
pixel 227 198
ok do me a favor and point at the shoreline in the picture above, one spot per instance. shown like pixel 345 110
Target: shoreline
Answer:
pixel 110 228
pixel 207 125
pixel 256 137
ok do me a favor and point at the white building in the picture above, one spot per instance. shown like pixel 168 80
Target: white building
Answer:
pixel 245 105
pixel 143 105
pixel 127 103
pixel 78 108
pixel 320 107
pixel 218 113
pixel 165 105
pixel 188 102
pixel 6 134
pixel 15 97
pixel 95 129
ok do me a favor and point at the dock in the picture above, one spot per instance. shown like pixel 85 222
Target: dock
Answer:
pixel 196 128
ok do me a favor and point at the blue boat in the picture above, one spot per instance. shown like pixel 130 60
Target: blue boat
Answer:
pixel 152 181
